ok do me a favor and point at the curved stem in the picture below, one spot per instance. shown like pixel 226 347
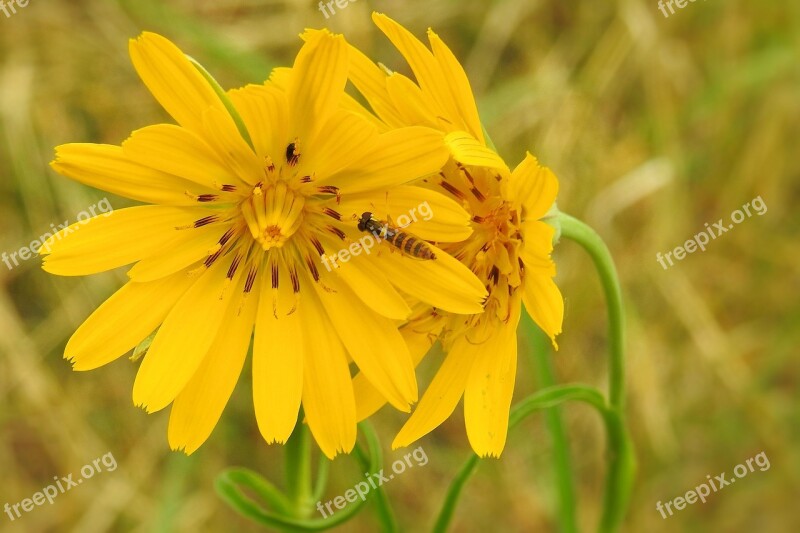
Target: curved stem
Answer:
pixel 454 493
pixel 619 478
pixel 575 230
pixel 562 464
pixel 375 457
pixel 541 399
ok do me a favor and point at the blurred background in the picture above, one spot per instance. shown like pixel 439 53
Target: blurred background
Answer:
pixel 655 126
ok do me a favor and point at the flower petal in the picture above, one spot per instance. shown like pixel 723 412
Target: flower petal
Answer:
pixel 442 282
pixel 327 390
pixel 278 360
pixel 370 81
pixel 545 304
pixel 177 84
pixel 367 281
pixel 123 321
pixel 368 399
pixel 317 84
pixel 181 252
pixel 375 345
pixel 424 65
pixel 398 157
pixel 430 215
pixel 344 139
pixel 115 239
pixel 458 83
pixel 537 237
pixel 180 152
pixel 199 405
pixel 534 186
pixel 468 150
pixel 222 135
pixel 442 395
pixel 488 392
pixel 265 113
pixel 107 168
pixel 413 105
pixel 184 339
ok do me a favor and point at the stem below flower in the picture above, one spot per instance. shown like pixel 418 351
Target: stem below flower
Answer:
pixel 298 470
pixel 619 478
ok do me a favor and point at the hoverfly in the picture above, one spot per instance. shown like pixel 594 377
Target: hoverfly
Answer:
pixel 413 246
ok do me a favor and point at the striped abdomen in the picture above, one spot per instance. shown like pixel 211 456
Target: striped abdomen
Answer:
pixel 413 246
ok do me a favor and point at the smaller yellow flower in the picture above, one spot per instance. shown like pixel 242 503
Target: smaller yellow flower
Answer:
pixel 509 249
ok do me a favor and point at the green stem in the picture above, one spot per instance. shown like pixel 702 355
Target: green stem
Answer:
pixel 575 230
pixel 367 461
pixel 619 478
pixel 454 493
pixel 298 470
pixel 562 464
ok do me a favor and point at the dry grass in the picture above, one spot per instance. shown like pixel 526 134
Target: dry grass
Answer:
pixel 654 126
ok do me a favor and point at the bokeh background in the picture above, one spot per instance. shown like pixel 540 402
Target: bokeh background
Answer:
pixel 654 126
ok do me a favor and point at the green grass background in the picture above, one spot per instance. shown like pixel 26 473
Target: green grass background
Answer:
pixel 654 126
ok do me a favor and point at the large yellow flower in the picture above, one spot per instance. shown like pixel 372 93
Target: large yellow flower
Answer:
pixel 509 249
pixel 232 248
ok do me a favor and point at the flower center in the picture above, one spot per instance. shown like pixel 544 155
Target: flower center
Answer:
pixel 273 214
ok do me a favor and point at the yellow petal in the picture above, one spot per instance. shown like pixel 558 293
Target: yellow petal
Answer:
pixel 442 395
pixel 538 240
pixel 370 81
pixel 344 139
pixel 186 248
pixel 327 390
pixel 469 151
pixel 349 103
pixel 199 405
pixel 375 344
pixel 184 339
pixel 368 399
pixel 398 157
pixel 118 238
pixel 174 81
pixel 545 304
pixel 425 67
pixel 430 215
pixel 264 110
pixel 123 321
pixel 316 85
pixel 443 282
pixel 458 84
pixel 221 133
pixel 107 168
pixel 365 280
pixel 488 392
pixel 411 103
pixel 278 360
pixel 180 152
pixel 534 186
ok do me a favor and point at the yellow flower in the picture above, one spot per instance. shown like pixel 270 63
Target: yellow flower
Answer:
pixel 509 249
pixel 232 247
